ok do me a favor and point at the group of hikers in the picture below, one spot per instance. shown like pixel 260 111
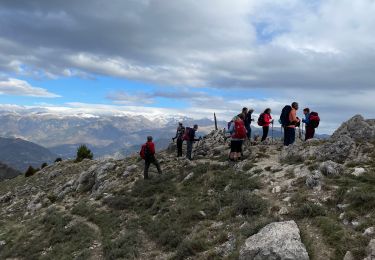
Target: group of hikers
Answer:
pixel 239 130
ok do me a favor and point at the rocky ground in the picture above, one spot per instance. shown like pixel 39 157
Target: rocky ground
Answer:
pixel 313 200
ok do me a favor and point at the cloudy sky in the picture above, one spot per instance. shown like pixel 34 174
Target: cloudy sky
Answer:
pixel 189 57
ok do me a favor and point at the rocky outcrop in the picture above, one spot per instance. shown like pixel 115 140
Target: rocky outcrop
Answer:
pixel 371 250
pixel 279 240
pixel 356 128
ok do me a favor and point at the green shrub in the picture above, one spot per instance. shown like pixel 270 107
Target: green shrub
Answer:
pixel 30 171
pixel 58 160
pixel 44 165
pixel 245 203
pixel 83 153
pixel 309 210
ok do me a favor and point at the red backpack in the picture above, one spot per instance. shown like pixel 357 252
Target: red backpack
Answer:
pixel 187 134
pixel 261 121
pixel 314 119
pixel 145 151
pixel 239 129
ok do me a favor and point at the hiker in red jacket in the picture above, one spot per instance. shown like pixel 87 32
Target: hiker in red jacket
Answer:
pixel 266 119
pixel 148 154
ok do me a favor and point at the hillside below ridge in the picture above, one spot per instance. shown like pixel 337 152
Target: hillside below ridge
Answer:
pixel 311 200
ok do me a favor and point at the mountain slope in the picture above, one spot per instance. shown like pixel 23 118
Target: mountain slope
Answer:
pixel 20 154
pixel 318 197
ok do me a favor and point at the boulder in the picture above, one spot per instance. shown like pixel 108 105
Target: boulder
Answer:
pixel 371 250
pixel 314 180
pixel 6 197
pixel 369 231
pixel 276 241
pixel 358 172
pixel 330 168
pixel 337 150
pixel 348 256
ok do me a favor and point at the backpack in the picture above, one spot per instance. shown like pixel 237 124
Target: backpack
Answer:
pixel 261 120
pixel 314 120
pixel 187 134
pixel 239 129
pixel 180 133
pixel 284 117
pixel 229 123
pixel 145 152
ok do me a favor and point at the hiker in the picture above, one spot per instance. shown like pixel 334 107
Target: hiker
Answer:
pixel 312 121
pixel 148 154
pixel 264 120
pixel 243 113
pixel 180 138
pixel 248 121
pixel 189 137
pixel 289 121
pixel 238 134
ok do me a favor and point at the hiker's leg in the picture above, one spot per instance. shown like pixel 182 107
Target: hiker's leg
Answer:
pixel 287 136
pixel 240 143
pixel 232 150
pixel 265 132
pixel 147 165
pixel 157 164
pixel 189 149
pixel 179 147
pixel 312 132
pixel 248 134
pixel 292 135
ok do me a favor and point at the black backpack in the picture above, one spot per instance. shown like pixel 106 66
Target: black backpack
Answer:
pixel 284 117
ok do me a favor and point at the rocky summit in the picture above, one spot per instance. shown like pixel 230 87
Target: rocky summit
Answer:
pixel 311 200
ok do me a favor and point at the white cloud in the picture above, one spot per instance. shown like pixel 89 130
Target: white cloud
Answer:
pixel 18 87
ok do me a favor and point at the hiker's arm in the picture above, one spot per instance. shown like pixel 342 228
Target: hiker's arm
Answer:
pixel 231 128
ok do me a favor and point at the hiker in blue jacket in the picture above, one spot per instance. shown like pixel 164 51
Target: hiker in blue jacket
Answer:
pixel 190 141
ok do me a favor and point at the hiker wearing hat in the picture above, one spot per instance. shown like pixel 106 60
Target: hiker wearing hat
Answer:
pixel 180 138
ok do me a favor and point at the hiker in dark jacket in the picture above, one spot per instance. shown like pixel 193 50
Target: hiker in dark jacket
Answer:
pixel 248 121
pixel 180 138
pixel 148 154
pixel 267 120
pixel 310 131
pixel 190 141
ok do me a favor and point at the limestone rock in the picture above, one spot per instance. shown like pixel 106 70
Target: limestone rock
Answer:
pixel 369 231
pixel 358 172
pixel 279 240
pixel 348 256
pixel 330 168
pixel 371 250
pixel 314 180
pixel 337 150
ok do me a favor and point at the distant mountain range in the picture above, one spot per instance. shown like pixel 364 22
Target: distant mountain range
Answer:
pixel 105 135
pixel 20 154
pixel 7 172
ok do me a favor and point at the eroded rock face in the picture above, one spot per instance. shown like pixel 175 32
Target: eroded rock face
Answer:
pixel 276 241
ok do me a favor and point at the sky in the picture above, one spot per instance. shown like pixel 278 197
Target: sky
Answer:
pixel 189 57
